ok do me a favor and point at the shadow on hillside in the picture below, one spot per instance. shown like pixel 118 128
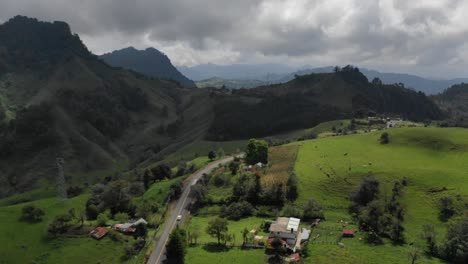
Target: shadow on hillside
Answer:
pixel 213 247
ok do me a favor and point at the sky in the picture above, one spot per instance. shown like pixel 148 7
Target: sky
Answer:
pixel 425 37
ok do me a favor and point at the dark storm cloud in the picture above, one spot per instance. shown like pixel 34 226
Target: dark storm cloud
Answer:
pixel 421 34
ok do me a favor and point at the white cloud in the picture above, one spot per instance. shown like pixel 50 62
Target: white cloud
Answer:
pixel 419 36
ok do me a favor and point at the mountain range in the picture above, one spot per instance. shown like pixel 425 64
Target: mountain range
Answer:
pixel 57 99
pixel 247 76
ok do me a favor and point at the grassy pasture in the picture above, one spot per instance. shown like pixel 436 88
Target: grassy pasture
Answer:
pixel 430 158
pixel 24 242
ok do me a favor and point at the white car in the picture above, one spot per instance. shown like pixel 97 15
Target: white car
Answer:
pixel 179 217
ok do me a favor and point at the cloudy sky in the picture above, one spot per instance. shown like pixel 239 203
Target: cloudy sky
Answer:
pixel 426 37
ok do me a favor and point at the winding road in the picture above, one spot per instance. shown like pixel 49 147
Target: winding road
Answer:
pixel 157 255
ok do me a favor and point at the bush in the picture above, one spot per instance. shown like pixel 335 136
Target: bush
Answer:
pixel 238 210
pixel 455 246
pixel 60 225
pixel 92 212
pixel 73 191
pixel 313 210
pixel 32 213
pixel 102 219
pixel 291 211
pixel 384 138
pixel 446 208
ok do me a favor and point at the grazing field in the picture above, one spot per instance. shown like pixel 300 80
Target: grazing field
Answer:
pixel 24 242
pixel 434 160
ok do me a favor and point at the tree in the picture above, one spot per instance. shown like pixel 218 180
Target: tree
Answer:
pixel 195 235
pixel 161 172
pixel 278 249
pixel 91 211
pixel 455 246
pixel 430 236
pixel 414 254
pixel 217 228
pixel 384 138
pixel 257 151
pixel 291 191
pixel 212 155
pixel 234 167
pixel 176 247
pixel 121 217
pixel 32 213
pixel 366 192
pixel 175 190
pixel 59 225
pixel 446 208
pixel 313 210
pixel 102 219
pixel 220 153
pixel 245 235
pixel 146 179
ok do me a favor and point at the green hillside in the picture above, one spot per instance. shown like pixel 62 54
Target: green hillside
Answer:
pixel 432 159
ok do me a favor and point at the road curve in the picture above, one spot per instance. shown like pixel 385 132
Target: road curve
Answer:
pixel 159 250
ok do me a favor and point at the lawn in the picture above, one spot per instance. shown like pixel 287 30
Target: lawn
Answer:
pixel 430 158
pixel 203 253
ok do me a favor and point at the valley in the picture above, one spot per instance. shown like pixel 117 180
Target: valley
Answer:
pixel 121 158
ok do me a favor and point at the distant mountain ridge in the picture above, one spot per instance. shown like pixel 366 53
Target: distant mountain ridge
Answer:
pixel 150 62
pixel 428 86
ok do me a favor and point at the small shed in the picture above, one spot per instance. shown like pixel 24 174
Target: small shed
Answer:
pixel 348 233
pixel 98 232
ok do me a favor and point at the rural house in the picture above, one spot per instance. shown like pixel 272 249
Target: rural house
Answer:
pixel 287 229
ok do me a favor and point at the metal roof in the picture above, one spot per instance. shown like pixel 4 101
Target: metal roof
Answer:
pixel 293 224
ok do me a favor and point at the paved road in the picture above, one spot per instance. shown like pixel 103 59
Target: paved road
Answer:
pixel 158 252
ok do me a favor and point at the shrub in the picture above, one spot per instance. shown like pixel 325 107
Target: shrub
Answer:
pixel 455 246
pixel 60 225
pixel 313 210
pixel 32 213
pixel 446 208
pixel 238 210
pixel 384 138
pixel 102 219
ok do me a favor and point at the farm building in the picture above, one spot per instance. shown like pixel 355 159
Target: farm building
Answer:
pixel 98 232
pixel 129 227
pixel 287 229
pixel 348 233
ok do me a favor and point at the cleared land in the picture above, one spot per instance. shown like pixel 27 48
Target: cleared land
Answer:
pixel 329 169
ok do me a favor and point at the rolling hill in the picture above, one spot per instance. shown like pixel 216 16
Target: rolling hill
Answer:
pixel 150 62
pixel 428 86
pixel 57 99
pixel 311 99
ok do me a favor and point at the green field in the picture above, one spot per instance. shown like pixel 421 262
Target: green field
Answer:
pixel 202 253
pixel 24 242
pixel 431 158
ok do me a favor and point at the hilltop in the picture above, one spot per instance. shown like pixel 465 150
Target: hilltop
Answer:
pixel 150 62
pixel 59 100
pixel 311 99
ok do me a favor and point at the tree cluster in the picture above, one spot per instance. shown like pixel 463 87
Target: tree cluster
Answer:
pixel 379 216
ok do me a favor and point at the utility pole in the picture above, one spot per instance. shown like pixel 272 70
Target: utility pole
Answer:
pixel 61 188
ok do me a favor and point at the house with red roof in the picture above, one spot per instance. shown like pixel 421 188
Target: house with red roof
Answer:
pixel 98 232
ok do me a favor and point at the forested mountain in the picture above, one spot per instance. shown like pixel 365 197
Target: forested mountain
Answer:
pixel 59 100
pixel 310 99
pixel 454 101
pixel 150 62
pixel 428 86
